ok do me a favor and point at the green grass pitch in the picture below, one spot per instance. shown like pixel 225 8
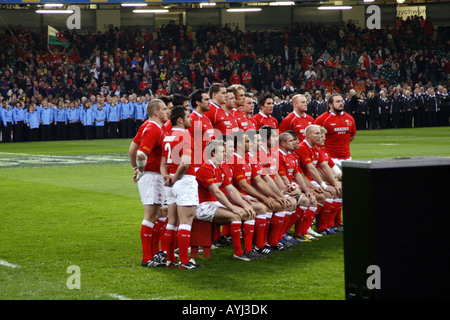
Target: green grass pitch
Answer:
pixel 73 203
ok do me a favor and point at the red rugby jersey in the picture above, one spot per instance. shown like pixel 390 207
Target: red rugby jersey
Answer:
pixel 269 162
pixel 201 133
pixel 245 123
pixel 261 120
pixel 296 123
pixel 287 166
pixel 340 129
pixel 308 154
pixel 149 140
pixel 177 143
pixel 206 175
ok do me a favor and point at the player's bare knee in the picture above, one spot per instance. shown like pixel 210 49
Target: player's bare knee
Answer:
pixel 260 208
pixel 303 202
pixel 320 198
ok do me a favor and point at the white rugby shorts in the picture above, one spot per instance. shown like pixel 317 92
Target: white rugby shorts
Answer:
pixel 151 188
pixel 338 162
pixel 206 210
pixel 184 191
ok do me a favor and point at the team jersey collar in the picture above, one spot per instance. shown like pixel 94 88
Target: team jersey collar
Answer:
pixel 263 114
pixel 212 163
pixel 214 105
pixel 234 153
pixel 155 123
pixel 308 144
pixel 297 115
pixel 200 115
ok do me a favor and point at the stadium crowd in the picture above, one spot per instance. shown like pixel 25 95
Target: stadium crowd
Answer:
pixel 393 77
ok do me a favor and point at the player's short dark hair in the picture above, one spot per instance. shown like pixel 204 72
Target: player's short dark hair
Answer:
pixel 179 99
pixel 166 99
pixel 177 112
pixel 196 96
pixel 331 98
pixel 263 99
pixel 293 133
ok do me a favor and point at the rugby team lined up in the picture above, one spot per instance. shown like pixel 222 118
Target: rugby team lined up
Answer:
pixel 265 186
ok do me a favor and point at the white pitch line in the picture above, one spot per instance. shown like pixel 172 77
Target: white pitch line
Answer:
pixel 68 157
pixel 169 298
pixel 7 264
pixel 118 296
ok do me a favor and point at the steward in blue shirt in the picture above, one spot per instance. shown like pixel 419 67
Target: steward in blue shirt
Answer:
pixel 19 121
pixel 127 118
pixel 100 118
pixel 61 120
pixel 87 119
pixel 46 115
pixel 7 121
pixel 73 118
pixel 32 120
pixel 141 112
pixel 113 117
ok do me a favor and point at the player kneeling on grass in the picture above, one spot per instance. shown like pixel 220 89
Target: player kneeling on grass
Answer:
pixel 181 189
pixel 214 205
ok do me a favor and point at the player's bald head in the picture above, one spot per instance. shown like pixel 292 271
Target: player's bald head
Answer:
pixel 312 128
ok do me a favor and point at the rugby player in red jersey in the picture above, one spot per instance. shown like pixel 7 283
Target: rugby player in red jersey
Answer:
pixel 298 119
pixel 243 101
pixel 216 113
pixel 146 163
pixel 201 129
pixel 181 188
pixel 332 175
pixel 310 156
pixel 341 129
pixel 214 205
pixel 264 117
